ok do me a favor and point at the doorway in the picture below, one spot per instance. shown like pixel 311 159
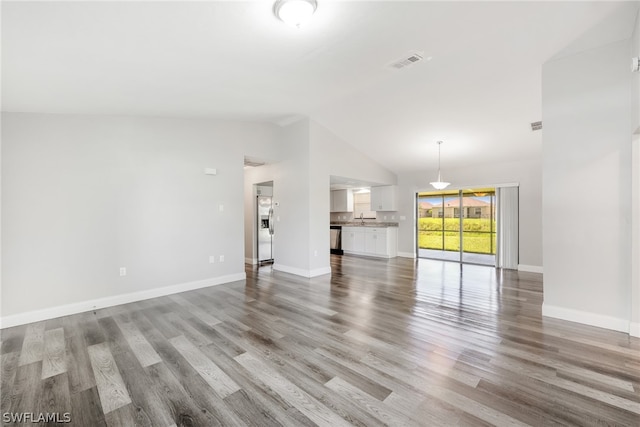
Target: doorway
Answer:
pixel 457 225
pixel 264 225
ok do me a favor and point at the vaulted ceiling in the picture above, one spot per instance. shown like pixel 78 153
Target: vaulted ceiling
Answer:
pixel 478 92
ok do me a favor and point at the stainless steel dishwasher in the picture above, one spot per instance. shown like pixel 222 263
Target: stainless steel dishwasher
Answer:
pixel 336 239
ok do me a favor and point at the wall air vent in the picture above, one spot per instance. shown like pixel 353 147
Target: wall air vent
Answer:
pixel 407 61
pixel 536 126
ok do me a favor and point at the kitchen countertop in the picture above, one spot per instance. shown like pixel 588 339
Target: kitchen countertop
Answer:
pixel 366 224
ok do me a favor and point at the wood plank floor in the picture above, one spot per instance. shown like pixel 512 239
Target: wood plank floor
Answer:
pixel 379 342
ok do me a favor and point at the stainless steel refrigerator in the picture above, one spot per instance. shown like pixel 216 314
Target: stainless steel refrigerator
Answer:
pixel 265 229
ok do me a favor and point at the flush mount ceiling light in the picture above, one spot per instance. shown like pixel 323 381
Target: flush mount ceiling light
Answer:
pixel 294 12
pixel 439 184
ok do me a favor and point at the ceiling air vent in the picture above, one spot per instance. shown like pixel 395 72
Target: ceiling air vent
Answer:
pixel 252 163
pixel 536 126
pixel 407 61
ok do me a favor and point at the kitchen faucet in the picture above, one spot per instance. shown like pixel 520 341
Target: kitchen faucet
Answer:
pixel 362 217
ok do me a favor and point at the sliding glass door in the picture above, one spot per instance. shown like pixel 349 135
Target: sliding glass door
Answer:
pixel 457 225
pixel 438 233
pixel 479 226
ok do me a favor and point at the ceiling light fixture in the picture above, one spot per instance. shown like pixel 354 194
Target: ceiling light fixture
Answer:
pixel 294 12
pixel 439 184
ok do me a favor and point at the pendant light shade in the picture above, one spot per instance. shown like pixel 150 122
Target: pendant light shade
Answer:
pixel 294 12
pixel 439 184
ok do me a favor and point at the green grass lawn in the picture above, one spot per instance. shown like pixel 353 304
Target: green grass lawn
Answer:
pixel 476 236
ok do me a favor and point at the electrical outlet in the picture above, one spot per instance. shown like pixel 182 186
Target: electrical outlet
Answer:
pixel 393 217
pixel 385 217
pixel 402 217
pixel 221 208
pixel 221 258
pixel 212 259
pixel 123 271
pixel 315 253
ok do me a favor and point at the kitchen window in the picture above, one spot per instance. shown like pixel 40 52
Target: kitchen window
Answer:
pixel 362 205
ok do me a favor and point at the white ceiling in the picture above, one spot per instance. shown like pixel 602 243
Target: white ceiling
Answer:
pixel 234 59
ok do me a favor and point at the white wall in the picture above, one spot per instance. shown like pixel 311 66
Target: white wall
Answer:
pixel 526 173
pixel 634 327
pixel 290 175
pixel 290 191
pixel 301 185
pixel 635 79
pixel 333 156
pixel 635 186
pixel 330 155
pixel 83 196
pixel 586 106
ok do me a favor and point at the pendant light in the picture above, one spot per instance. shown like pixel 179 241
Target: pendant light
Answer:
pixel 294 12
pixel 439 184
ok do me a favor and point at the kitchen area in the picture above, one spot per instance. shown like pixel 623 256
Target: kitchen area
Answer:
pixel 364 218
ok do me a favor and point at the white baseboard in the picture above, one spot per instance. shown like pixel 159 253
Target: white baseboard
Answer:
pixel 634 329
pixel 96 304
pixel 407 255
pixel 587 318
pixel 300 272
pixel 320 272
pixel 530 268
pixel 252 261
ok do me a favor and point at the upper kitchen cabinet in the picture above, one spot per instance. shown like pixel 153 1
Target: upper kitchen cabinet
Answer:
pixel 384 198
pixel 341 201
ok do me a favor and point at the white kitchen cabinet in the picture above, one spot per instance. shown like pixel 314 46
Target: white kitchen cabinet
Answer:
pixel 358 242
pixel 341 201
pixel 384 198
pixel 353 239
pixel 376 241
pixel 371 241
pixel 348 239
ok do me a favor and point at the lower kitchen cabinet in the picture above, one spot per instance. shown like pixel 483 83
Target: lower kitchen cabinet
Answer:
pixel 347 239
pixel 372 241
